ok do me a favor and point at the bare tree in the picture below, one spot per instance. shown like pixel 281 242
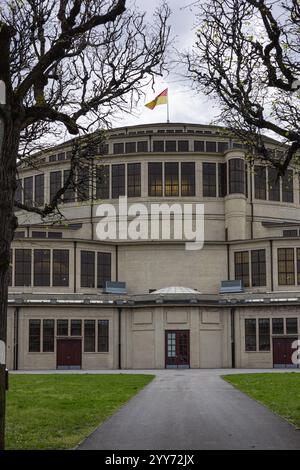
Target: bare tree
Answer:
pixel 247 57
pixel 67 66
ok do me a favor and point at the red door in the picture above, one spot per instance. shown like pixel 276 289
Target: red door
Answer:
pixel 68 353
pixel 177 349
pixel 282 352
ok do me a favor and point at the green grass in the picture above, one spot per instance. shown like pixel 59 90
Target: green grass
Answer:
pixel 59 411
pixel 278 391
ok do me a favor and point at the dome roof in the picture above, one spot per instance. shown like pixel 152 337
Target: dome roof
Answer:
pixel 175 290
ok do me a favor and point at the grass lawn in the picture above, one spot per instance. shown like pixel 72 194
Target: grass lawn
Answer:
pixel 280 392
pixel 59 411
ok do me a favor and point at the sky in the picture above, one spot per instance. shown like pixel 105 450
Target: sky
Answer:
pixel 185 105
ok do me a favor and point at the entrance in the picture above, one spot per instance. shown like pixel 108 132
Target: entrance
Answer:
pixel 177 349
pixel 282 352
pixel 68 354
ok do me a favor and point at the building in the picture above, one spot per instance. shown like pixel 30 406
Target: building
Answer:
pixel 62 313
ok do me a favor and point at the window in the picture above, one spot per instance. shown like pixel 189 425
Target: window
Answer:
pixel 134 180
pixel 258 267
pixel 183 145
pixel 69 194
pixel 83 183
pixel 158 146
pixel 60 267
pixel 241 264
pixel 19 191
pixel 236 176
pixel 155 179
pixel 273 184
pixel 55 183
pixel 250 334
pixel 260 182
pixel 211 146
pixel 102 182
pixel 39 234
pixel 130 147
pixel 119 148
pixel 171 179
pixel 62 327
pixel 188 179
pixel 103 335
pixel 19 235
pixel 277 326
pixel 103 149
pixel 42 267
pixel 286 269
pixel 22 268
pixel 103 269
pixel 264 334
pixel 222 147
pixel 89 335
pixel 118 180
pixel 290 233
pixel 291 326
pixel 142 146
pixel 28 190
pixel 87 269
pixel 34 335
pixel 288 187
pixel 48 335
pixel 55 235
pixel 298 265
pixel 76 327
pixel 222 168
pixel 209 180
pixel 61 156
pixel 198 146
pixel 170 145
pixel 39 190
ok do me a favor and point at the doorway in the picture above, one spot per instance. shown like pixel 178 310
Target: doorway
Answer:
pixel 177 346
pixel 68 354
pixel 282 352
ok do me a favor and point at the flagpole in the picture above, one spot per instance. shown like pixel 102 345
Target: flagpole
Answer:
pixel 168 110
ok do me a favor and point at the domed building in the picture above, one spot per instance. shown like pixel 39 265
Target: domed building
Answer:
pixel 80 301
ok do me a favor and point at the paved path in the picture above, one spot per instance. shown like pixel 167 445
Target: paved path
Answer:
pixel 193 409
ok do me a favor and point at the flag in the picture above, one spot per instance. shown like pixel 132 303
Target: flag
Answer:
pixel 162 98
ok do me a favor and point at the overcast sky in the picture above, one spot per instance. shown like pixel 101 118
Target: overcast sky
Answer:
pixel 185 105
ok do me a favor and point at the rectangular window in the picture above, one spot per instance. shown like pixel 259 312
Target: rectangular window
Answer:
pixel 103 335
pixel 62 327
pixel 61 156
pixel 130 147
pixel 273 184
pixel 258 267
pixel 28 191
pixel 260 182
pixel 288 187
pixel 42 267
pixel 222 147
pixel 48 335
pixel 199 146
pixel 211 146
pixel 298 265
pixel 102 182
pixel 188 179
pixel 241 265
pixel 103 269
pixel 89 335
pixel 155 179
pixel 277 326
pixel 76 327
pixel 88 269
pixel 250 334
pixel 171 179
pixel 158 146
pixel 134 180
pixel 22 268
pixel 264 334
pixel 34 335
pixel 183 145
pixel 170 145
pixel 52 158
pixel 19 192
pixel 209 180
pixel 55 235
pixel 222 168
pixel 142 146
pixel 61 268
pixel 119 148
pixel 83 183
pixel 55 183
pixel 236 176
pixel 35 234
pixel 39 190
pixel 292 326
pixel 118 180
pixel 286 268
pixel 69 194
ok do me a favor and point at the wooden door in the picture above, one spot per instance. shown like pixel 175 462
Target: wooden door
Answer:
pixel 282 352
pixel 68 353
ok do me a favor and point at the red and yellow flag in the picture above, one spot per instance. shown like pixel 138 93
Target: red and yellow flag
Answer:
pixel 162 98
